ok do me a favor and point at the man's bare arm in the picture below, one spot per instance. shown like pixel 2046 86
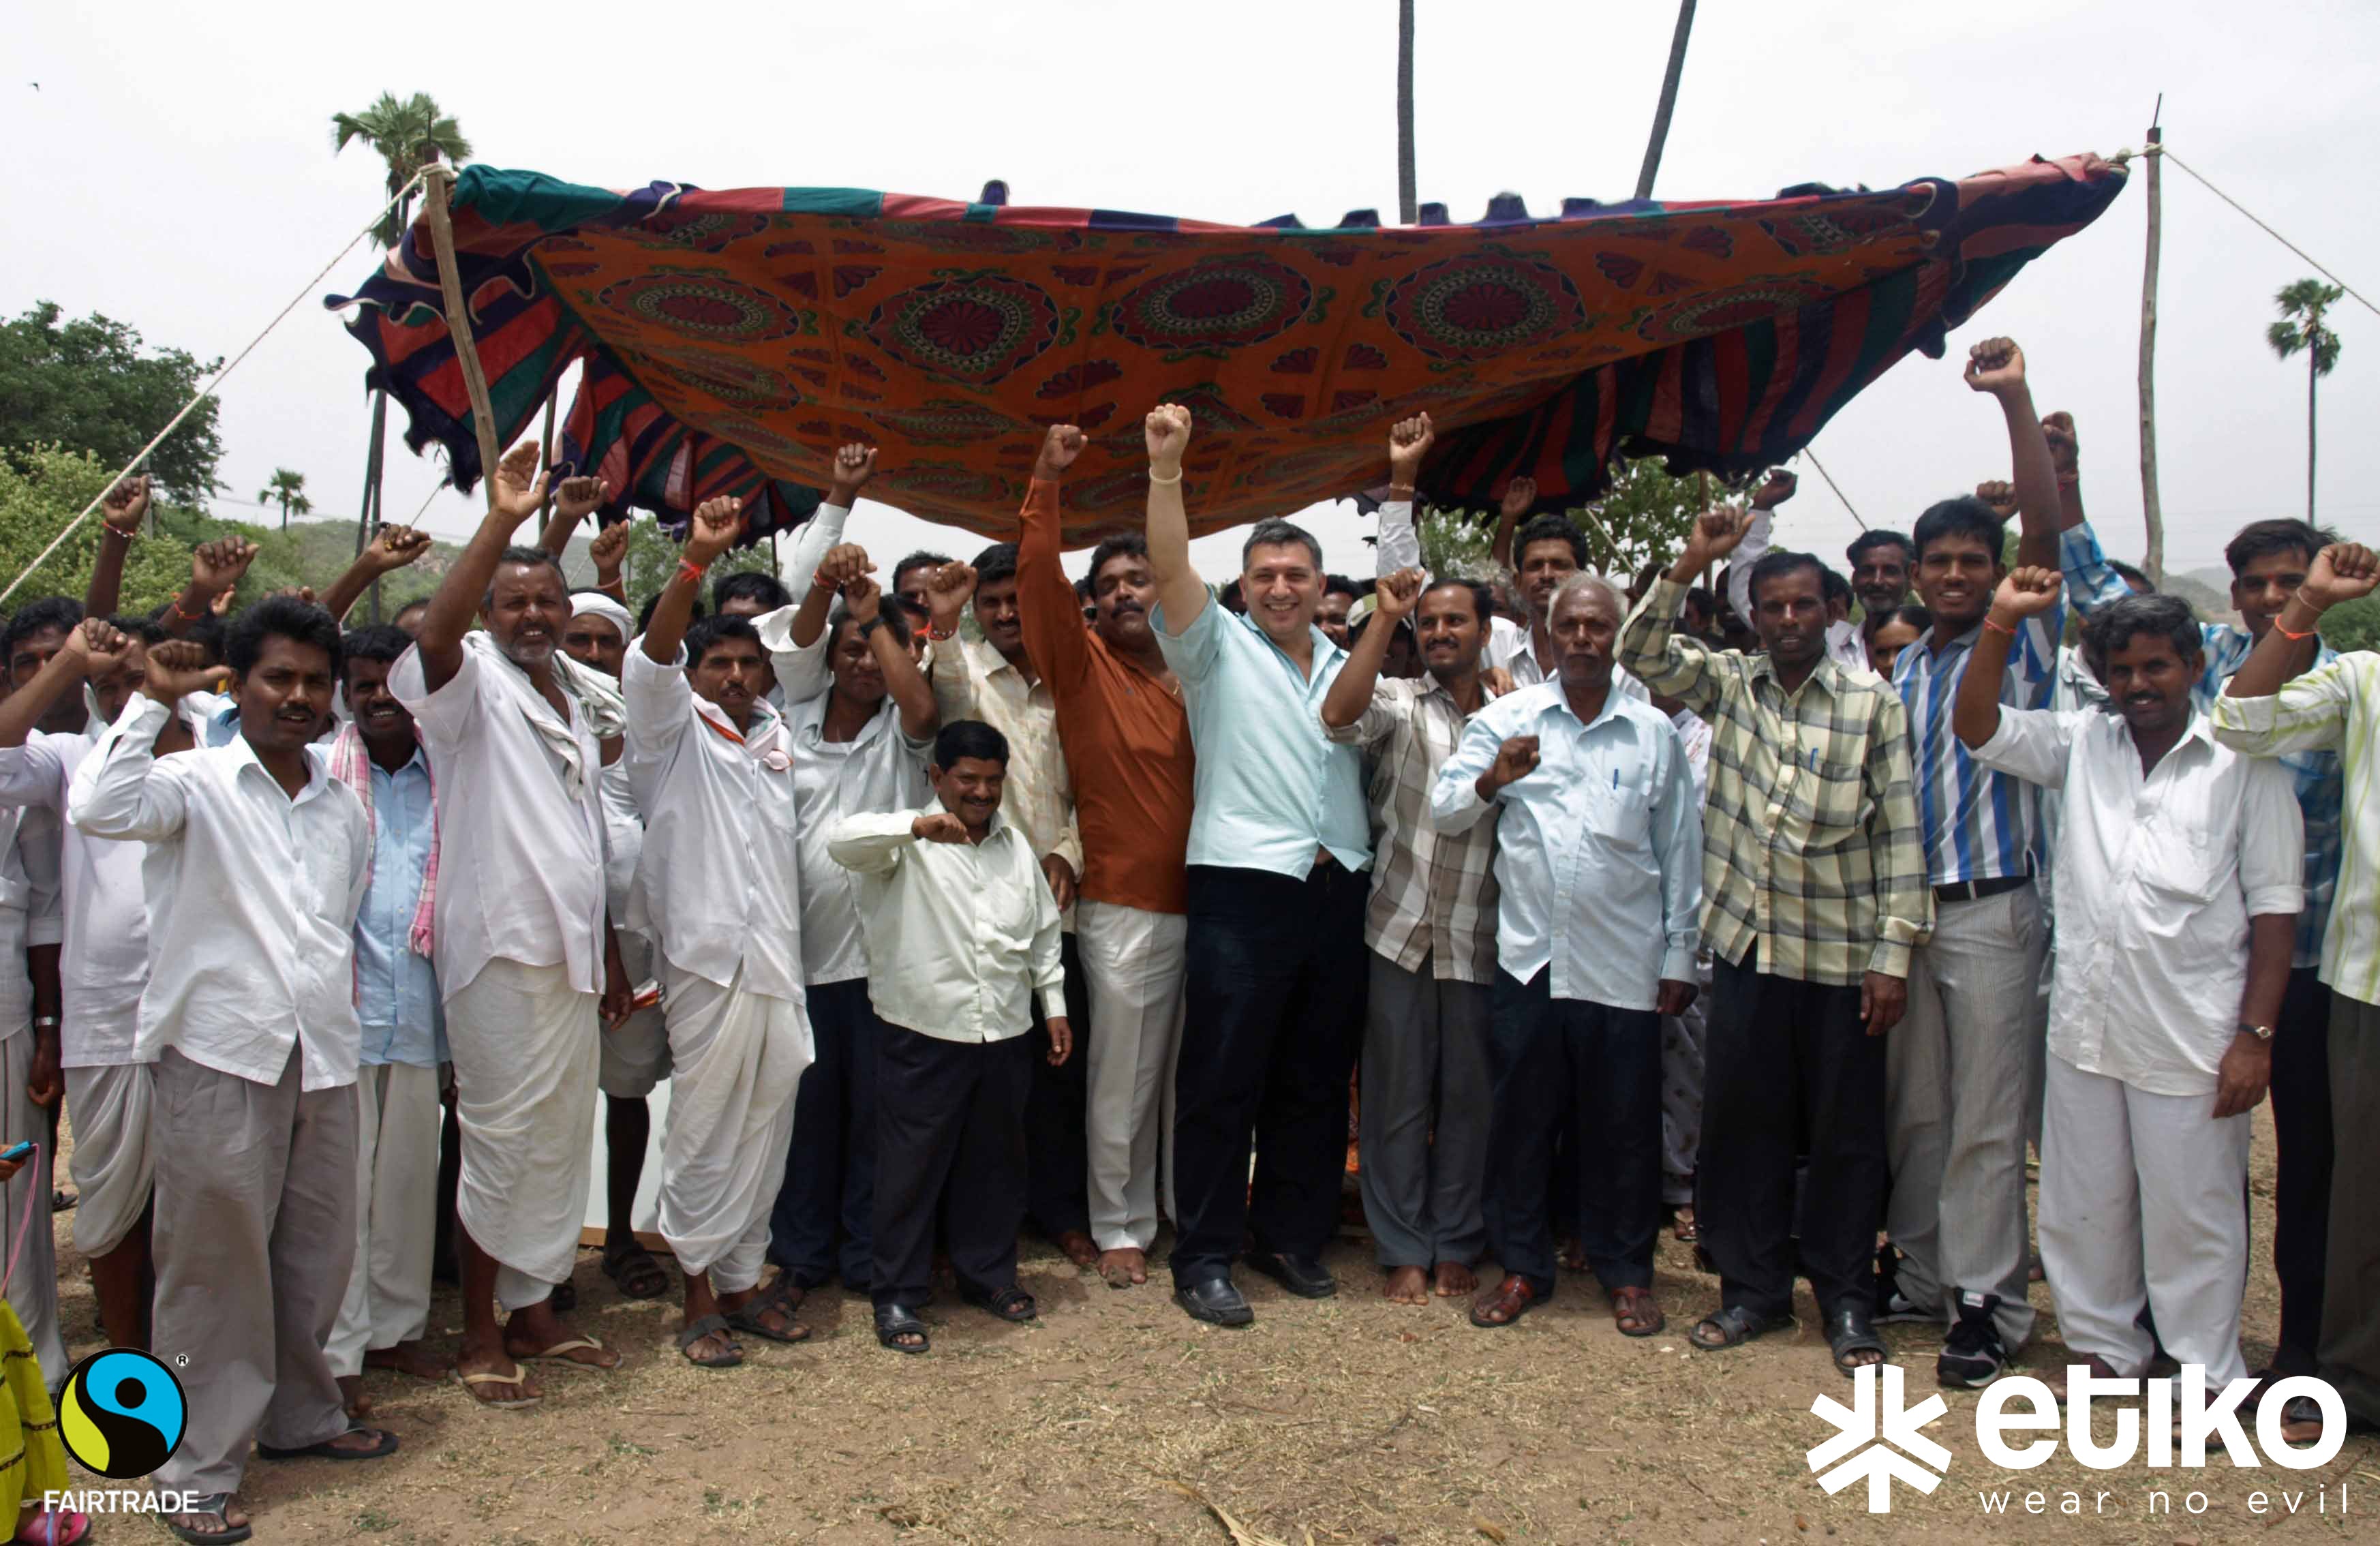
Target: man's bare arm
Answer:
pixel 519 492
pixel 1179 589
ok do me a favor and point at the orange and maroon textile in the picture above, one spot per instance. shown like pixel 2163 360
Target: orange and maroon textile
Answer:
pixel 732 340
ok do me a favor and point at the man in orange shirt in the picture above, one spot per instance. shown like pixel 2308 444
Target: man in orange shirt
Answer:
pixel 1128 742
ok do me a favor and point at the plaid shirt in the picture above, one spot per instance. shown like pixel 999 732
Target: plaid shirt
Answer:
pixel 1811 845
pixel 2091 584
pixel 1433 893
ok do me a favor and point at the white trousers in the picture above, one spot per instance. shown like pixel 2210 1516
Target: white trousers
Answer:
pixel 397 1118
pixel 526 1045
pixel 2143 1201
pixel 25 1211
pixel 1133 961
pixel 737 1059
pixel 113 1174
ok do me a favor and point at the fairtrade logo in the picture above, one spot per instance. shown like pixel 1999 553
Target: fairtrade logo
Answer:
pixel 121 1413
pixel 1866 1435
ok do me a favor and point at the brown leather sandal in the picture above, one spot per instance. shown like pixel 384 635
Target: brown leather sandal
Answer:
pixel 1636 1312
pixel 1504 1303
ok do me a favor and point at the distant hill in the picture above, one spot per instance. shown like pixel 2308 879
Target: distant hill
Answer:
pixel 2209 591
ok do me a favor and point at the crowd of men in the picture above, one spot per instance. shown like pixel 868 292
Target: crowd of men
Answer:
pixel 989 900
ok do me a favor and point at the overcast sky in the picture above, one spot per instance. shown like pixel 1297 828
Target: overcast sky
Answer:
pixel 174 170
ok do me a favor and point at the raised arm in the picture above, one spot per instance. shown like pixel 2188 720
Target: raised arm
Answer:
pixel 2025 592
pixel 854 465
pixel 120 790
pixel 1349 697
pixel 1047 606
pixel 865 598
pixel 215 569
pixel 519 492
pixel 1775 491
pixel 711 531
pixel 1519 494
pixel 1179 591
pixel 88 644
pixel 574 499
pixel 2340 572
pixel 119 522
pixel 392 550
pixel 1650 645
pixel 1996 366
pixel 948 590
pixel 1400 545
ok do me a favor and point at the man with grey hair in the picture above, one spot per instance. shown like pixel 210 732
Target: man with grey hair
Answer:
pixel 1597 884
pixel 1279 842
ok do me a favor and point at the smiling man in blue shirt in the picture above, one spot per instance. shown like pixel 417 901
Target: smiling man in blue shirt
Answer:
pixel 1599 873
pixel 1279 842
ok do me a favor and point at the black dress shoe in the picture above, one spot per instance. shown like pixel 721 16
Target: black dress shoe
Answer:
pixel 1216 1302
pixel 1301 1275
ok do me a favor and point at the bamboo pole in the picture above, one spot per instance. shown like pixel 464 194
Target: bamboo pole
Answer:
pixel 1407 209
pixel 435 182
pixel 2151 512
pixel 1669 102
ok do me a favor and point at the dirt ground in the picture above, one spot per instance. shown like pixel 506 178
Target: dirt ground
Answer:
pixel 1118 1418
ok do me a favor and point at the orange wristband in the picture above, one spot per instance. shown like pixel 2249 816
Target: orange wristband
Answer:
pixel 1997 627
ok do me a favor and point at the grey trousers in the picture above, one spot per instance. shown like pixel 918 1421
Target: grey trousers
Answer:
pixel 255 1238
pixel 1427 1105
pixel 1961 1070
pixel 33 1290
pixel 2348 1351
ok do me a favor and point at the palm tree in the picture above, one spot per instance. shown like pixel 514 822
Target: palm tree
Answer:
pixel 408 134
pixel 2301 327
pixel 289 489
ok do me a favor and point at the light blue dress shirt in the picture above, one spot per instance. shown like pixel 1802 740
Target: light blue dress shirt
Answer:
pixel 1599 852
pixel 1271 790
pixel 397 988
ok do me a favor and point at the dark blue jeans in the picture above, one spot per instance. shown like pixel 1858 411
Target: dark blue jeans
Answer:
pixel 1273 1014
pixel 1597 1070
pixel 829 1193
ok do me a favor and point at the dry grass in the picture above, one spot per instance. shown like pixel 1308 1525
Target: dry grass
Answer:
pixel 1117 1418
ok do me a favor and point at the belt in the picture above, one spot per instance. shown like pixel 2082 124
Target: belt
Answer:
pixel 1976 890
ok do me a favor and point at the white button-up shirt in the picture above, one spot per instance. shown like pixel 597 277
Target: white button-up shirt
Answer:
pixel 960 935
pixel 251 898
pixel 103 964
pixel 974 680
pixel 719 885
pixel 32 910
pixel 881 769
pixel 2157 877
pixel 1598 851
pixel 520 820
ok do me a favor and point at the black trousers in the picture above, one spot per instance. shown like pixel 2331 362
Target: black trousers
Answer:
pixel 948 1113
pixel 1057 1115
pixel 1596 1070
pixel 1273 1015
pixel 2303 1155
pixel 1787 1067
pixel 825 1207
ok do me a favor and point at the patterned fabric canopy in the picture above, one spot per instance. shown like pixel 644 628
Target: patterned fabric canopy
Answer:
pixel 732 340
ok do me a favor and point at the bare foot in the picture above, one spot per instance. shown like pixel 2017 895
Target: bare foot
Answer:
pixel 1407 1286
pixel 1454 1279
pixel 1124 1267
pixel 230 1518
pixel 351 1395
pixel 357 1442
pixel 1573 1255
pixel 1079 1248
pixel 407 1357
pixel 536 1332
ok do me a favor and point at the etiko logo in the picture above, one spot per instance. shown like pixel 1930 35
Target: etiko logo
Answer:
pixel 1872 1433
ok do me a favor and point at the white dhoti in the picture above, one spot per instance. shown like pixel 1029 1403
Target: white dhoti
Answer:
pixel 1133 961
pixel 636 1051
pixel 113 1173
pixel 25 1211
pixel 737 1059
pixel 2144 1202
pixel 387 1301
pixel 526 1045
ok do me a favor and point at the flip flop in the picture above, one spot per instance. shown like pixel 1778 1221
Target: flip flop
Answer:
pixel 780 1295
pixel 58 1527
pixel 560 1353
pixel 327 1450
pixel 216 1504
pixel 696 1331
pixel 471 1383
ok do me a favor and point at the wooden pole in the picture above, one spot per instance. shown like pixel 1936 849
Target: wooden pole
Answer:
pixel 1407 209
pixel 1669 99
pixel 545 454
pixel 2152 513
pixel 435 182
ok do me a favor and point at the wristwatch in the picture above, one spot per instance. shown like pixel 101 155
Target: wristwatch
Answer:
pixel 871 625
pixel 2262 1033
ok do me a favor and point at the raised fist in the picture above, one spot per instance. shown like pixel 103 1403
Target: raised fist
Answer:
pixel 854 466
pixel 712 530
pixel 2026 592
pixel 216 566
pixel 577 498
pixel 519 485
pixel 1995 365
pixel 1396 594
pixel 2000 495
pixel 1058 449
pixel 938 827
pixel 1776 489
pixel 1409 443
pixel 396 547
pixel 1168 432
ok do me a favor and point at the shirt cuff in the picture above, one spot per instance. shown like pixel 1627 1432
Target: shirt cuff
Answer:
pixel 2277 901
pixel 1053 1003
pixel 2253 716
pixel 1890 960
pixel 1678 961
pixel 145 713
pixel 49 929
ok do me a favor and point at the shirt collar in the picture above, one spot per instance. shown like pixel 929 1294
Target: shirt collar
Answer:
pixel 1827 673
pixel 318 776
pixel 1559 700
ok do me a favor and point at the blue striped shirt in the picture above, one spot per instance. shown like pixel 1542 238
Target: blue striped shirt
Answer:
pixel 1978 824
pixel 2091 583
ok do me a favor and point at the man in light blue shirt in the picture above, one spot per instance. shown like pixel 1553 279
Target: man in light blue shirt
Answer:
pixel 386 1311
pixel 1279 842
pixel 1598 874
